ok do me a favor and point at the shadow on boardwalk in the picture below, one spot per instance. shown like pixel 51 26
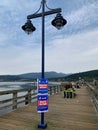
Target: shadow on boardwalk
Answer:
pixel 64 114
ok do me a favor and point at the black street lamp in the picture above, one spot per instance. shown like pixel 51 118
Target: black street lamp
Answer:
pixel 28 27
pixel 59 21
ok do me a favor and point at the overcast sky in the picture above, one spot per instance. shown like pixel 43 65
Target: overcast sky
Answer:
pixel 72 49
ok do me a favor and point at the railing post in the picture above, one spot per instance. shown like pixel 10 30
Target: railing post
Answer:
pixel 14 100
pixel 50 90
pixel 53 90
pixel 28 97
pixel 61 88
pixel 58 89
pixel 34 92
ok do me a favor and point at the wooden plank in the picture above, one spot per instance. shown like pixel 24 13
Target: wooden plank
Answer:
pixel 6 106
pixel 6 101
pixel 64 114
pixel 13 91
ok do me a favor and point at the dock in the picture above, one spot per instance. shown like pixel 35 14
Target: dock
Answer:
pixel 76 113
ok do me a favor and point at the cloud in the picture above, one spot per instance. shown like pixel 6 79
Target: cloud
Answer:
pixel 15 59
pixel 74 53
pixel 81 18
pixel 72 49
pixel 84 18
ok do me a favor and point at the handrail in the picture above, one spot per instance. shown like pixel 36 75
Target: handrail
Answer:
pixel 22 97
pixel 93 93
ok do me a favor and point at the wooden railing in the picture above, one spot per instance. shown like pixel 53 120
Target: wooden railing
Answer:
pixel 94 94
pixel 18 98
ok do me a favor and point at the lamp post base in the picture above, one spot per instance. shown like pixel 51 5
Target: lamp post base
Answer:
pixel 42 126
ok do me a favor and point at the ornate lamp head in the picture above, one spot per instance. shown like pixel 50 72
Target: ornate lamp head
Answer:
pixel 59 21
pixel 28 27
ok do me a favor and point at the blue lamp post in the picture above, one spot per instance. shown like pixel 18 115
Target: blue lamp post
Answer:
pixel 28 27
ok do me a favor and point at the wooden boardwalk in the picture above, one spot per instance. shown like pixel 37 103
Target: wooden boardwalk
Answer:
pixel 64 114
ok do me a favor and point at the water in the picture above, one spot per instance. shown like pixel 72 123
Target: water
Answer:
pixel 4 86
pixel 15 85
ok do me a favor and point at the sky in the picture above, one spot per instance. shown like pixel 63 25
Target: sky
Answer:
pixel 72 49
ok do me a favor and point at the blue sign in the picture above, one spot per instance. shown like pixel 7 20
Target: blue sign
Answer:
pixel 42 96
pixel 42 86
pixel 42 103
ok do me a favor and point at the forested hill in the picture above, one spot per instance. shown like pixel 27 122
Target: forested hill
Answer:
pixel 30 76
pixel 88 75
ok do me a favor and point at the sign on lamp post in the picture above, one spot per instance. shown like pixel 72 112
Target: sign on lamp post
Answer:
pixel 42 95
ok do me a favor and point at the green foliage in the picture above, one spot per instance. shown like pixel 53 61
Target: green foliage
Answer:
pixel 88 76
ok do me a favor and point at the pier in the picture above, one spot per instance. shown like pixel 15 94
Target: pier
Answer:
pixel 78 113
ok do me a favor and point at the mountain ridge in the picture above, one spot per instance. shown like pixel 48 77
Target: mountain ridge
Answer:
pixel 51 74
pixel 31 76
pixel 92 74
pixel 87 75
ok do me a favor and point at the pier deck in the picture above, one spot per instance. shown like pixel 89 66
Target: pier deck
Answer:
pixel 64 114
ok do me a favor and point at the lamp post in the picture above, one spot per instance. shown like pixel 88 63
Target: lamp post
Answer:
pixel 28 27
